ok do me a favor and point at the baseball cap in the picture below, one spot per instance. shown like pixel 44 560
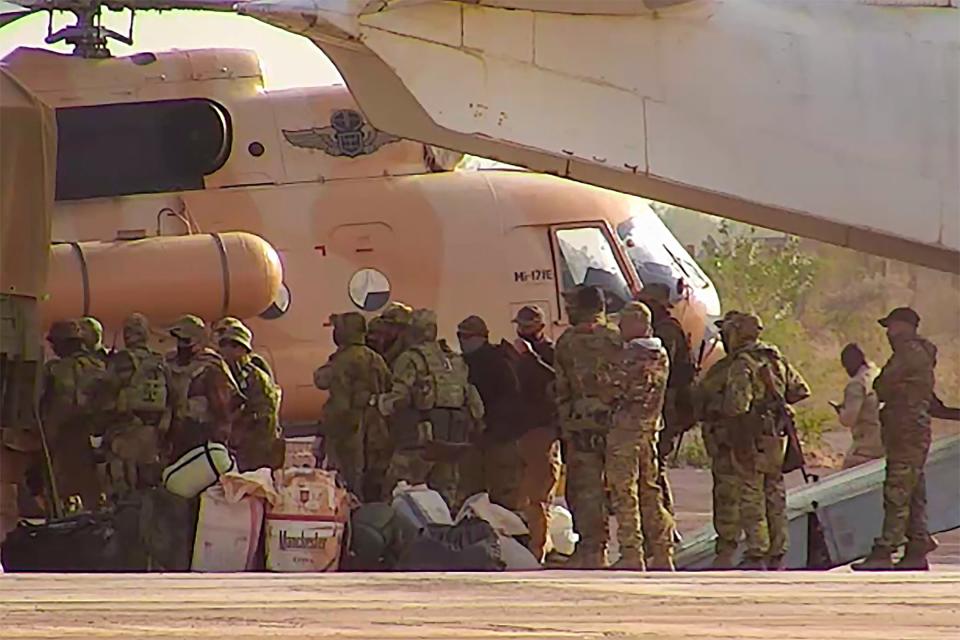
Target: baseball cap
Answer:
pixel 901 314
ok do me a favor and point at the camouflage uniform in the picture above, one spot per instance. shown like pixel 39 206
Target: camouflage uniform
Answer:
pixel 434 412
pixel 256 359
pixel 356 374
pixel 204 395
pixel 256 436
pixel 136 410
pixel 66 411
pixel 677 405
pixel 758 446
pixel 585 398
pixel 640 380
pixel 905 386
pixel 708 399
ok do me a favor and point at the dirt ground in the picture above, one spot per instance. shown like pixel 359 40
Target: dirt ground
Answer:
pixel 434 606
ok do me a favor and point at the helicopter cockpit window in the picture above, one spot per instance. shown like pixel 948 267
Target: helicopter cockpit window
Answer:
pixel 139 147
pixel 369 289
pixel 586 257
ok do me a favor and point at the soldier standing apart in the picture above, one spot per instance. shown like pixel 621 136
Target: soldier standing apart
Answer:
pixel 640 378
pixel 905 387
pixel 356 374
pixel 585 397
pixel 433 412
pixel 256 437
pixel 539 446
pixel 758 376
pixel 860 411
pixel 66 411
pixel 205 396
pixel 495 466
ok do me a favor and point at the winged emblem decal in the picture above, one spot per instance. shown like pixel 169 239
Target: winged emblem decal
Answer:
pixel 348 135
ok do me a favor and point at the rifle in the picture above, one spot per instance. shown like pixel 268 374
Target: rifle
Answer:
pixel 793 458
pixel 697 367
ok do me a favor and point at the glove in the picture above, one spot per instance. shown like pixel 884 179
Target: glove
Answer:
pixel 385 403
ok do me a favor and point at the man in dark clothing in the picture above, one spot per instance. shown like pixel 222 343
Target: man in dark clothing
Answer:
pixel 496 467
pixel 539 446
pixel 678 405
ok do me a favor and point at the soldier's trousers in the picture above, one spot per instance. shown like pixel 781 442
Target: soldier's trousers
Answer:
pixel 904 506
pixel 496 468
pixel 540 453
pixel 345 454
pixel 763 510
pixel 726 493
pixel 412 466
pixel 656 518
pixel 585 491
pixel 378 451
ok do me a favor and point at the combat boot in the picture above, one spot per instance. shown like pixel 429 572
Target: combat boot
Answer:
pixel 752 563
pixel 630 560
pixel 662 561
pixel 878 560
pixel 585 558
pixel 915 556
pixel 723 560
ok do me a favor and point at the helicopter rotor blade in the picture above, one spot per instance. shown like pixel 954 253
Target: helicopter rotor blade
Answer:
pixel 10 11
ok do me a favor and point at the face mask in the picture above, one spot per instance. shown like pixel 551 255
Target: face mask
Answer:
pixel 337 336
pixel 469 345
pixel 184 351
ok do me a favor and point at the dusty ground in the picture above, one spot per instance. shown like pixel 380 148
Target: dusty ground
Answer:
pixel 432 606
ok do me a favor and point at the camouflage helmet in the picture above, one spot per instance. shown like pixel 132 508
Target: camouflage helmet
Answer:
pixel 656 292
pixel 424 321
pixel 91 332
pixel 718 323
pixel 190 328
pixel 528 316
pixel 397 313
pixel 64 330
pixel 225 323
pixel 349 328
pixel 238 333
pixel 747 325
pixel 136 329
pixel 636 311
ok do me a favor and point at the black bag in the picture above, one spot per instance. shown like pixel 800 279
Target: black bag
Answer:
pixel 85 542
pixel 168 526
pixel 377 536
pixel 470 545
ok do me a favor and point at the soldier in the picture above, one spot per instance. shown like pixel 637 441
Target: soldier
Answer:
pixel 66 410
pixel 135 409
pixel 678 404
pixel 757 377
pixel 631 457
pixel 585 398
pixel 205 395
pixel 539 446
pixel 256 359
pixel 860 411
pixel 708 403
pixel 91 331
pixel 905 387
pixel 495 465
pixel 387 332
pixel 433 409
pixel 356 374
pixel 256 436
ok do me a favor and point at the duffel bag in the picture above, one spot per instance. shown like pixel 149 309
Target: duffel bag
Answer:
pixel 198 469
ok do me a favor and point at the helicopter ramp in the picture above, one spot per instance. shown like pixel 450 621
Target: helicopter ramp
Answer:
pixel 834 521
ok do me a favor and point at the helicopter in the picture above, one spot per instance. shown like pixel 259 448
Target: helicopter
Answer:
pixel 185 187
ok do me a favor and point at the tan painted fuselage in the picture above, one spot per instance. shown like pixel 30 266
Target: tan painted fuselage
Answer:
pixel 356 217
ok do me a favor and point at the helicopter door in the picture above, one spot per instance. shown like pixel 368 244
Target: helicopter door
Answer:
pixel 586 255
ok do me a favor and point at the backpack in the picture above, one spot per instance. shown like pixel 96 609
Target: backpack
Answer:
pixel 148 389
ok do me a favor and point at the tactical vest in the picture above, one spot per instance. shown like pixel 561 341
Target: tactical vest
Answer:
pixel 147 391
pixel 186 407
pixel 442 383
